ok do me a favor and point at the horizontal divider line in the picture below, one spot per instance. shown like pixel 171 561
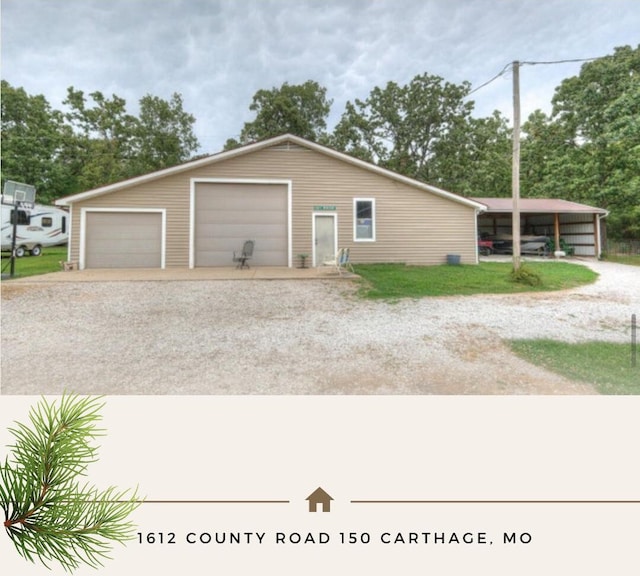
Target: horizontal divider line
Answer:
pixel 365 502
pixel 495 501
pixel 138 501
pixel 215 501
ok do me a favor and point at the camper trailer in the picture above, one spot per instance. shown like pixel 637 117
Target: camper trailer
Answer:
pixel 37 228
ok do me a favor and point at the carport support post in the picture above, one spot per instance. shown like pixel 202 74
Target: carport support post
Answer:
pixel 515 171
pixel 557 231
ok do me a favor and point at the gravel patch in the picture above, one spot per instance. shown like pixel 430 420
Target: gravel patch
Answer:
pixel 294 337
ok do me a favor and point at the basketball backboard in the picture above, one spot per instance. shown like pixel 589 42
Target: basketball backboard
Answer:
pixel 18 194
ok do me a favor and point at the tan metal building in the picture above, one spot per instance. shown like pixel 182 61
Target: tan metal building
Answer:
pixel 291 196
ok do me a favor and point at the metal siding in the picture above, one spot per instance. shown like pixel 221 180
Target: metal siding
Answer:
pixel 583 239
pixel 413 226
pixel 584 250
pixel 582 228
pixel 123 240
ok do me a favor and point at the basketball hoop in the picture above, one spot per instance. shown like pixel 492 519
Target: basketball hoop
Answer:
pixel 24 205
pixel 19 195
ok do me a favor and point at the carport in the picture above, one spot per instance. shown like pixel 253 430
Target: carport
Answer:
pixel 567 223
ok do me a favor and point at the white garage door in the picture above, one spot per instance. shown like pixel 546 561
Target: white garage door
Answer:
pixel 123 240
pixel 228 214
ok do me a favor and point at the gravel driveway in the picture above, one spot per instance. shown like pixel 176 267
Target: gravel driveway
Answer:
pixel 294 337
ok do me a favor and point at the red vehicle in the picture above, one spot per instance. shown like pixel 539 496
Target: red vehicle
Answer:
pixel 485 247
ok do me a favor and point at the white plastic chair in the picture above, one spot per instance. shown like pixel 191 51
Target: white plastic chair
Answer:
pixel 340 262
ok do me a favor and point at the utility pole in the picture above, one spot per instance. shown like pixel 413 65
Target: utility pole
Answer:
pixel 515 170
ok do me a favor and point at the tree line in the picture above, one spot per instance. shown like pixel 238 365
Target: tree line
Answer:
pixel 93 143
pixel 586 150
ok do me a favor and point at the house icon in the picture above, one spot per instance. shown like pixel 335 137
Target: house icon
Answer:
pixel 319 497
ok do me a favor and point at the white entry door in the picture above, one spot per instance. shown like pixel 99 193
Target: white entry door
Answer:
pixel 325 238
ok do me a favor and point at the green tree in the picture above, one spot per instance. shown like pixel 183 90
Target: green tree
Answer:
pixel 406 128
pixel 299 109
pixel 544 145
pixel 589 149
pixel 34 140
pixel 164 134
pixel 48 514
pixel 93 143
pixel 478 161
pixel 112 145
pixel 105 138
pixel 425 130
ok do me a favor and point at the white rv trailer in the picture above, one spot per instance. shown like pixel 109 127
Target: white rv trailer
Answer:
pixel 37 228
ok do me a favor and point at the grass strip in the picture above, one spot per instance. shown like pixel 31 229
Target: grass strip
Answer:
pixel 49 261
pixel 606 365
pixel 630 259
pixel 395 281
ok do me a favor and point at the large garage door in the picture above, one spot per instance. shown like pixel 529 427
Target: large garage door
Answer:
pixel 123 240
pixel 228 214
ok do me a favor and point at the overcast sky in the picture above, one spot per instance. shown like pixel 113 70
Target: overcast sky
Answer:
pixel 218 53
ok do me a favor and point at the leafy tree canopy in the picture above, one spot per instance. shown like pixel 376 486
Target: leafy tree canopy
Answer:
pixel 588 150
pixel 404 127
pixel 33 140
pixel 425 130
pixel 112 145
pixel 300 109
pixel 95 142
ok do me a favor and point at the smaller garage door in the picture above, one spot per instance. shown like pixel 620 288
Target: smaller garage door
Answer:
pixel 123 240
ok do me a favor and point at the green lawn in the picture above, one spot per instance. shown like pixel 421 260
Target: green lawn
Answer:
pixel 606 365
pixel 632 259
pixel 49 261
pixel 396 281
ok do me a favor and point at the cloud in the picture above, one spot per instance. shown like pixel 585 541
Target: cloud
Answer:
pixel 218 53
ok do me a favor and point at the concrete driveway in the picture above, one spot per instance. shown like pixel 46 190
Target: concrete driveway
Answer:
pixel 184 274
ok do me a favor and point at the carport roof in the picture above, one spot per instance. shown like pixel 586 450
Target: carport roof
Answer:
pixel 538 206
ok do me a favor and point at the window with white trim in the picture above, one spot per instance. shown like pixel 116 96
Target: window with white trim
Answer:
pixel 364 219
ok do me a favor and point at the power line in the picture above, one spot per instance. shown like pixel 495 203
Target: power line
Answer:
pixel 571 60
pixel 503 71
pixel 532 63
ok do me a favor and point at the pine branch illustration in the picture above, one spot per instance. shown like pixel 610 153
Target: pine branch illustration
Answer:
pixel 49 515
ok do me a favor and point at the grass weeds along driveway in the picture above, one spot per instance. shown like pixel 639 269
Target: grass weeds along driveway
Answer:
pixel 49 261
pixel 394 281
pixel 631 259
pixel 606 365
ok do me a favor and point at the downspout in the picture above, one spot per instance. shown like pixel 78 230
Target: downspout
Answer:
pixel 478 211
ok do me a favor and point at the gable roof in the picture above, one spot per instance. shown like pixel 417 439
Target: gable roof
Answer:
pixel 248 149
pixel 538 205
